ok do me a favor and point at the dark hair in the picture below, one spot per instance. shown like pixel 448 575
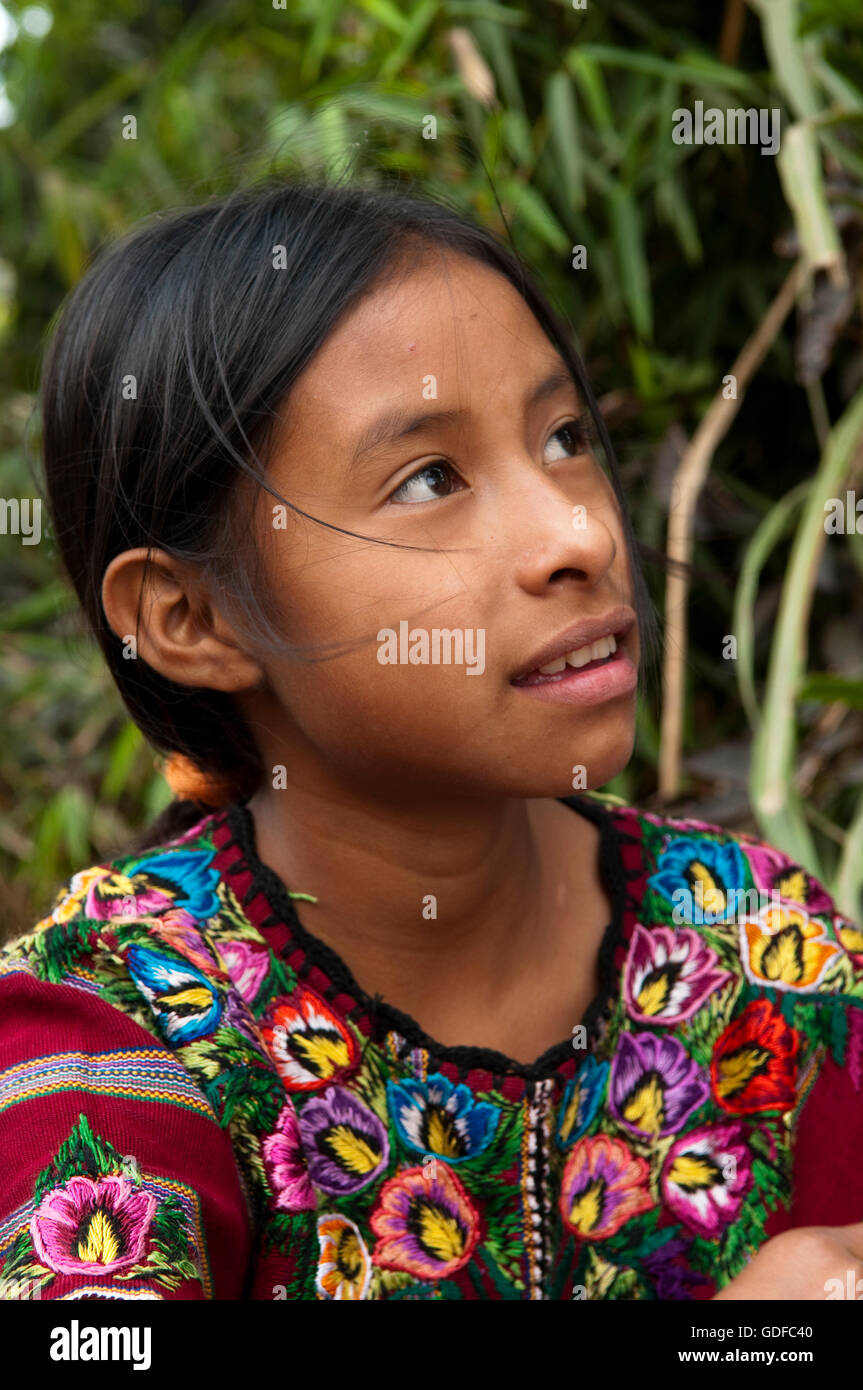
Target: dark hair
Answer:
pixel 191 306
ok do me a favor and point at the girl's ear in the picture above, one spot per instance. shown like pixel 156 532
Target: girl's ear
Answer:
pixel 182 634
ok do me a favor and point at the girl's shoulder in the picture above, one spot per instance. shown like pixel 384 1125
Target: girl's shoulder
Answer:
pixel 734 925
pixel 107 1110
pixel 105 916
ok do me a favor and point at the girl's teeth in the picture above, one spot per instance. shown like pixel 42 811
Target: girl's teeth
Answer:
pixel 594 651
pixel 580 657
pixel 553 667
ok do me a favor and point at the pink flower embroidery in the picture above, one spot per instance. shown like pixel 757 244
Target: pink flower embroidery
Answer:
pixel 285 1164
pixel 247 966
pixel 92 1226
pixel 669 974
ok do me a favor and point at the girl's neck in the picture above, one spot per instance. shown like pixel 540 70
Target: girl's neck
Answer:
pixel 480 919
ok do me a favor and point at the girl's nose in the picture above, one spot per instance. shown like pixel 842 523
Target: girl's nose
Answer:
pixel 567 542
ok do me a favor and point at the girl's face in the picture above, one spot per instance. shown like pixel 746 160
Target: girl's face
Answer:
pixel 438 415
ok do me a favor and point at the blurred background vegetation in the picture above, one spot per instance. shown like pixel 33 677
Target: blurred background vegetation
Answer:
pixel 555 122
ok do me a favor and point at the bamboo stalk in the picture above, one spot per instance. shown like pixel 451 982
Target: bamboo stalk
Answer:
pixel 775 799
pixel 689 480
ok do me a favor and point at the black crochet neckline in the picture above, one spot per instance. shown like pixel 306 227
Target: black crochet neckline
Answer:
pixel 385 1017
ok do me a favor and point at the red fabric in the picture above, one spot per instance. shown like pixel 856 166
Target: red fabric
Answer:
pixel 166 1141
pixel 828 1177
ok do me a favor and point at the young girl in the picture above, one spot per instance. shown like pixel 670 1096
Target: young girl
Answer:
pixel 379 1009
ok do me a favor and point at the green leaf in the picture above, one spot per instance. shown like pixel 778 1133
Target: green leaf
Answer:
pixel 587 74
pixel 768 534
pixel 418 24
pixel 531 208
pixel 625 221
pixel 825 688
pixel 694 68
pixel 564 137
pixel 121 759
pixel 799 165
pixel 774 799
pixel 387 14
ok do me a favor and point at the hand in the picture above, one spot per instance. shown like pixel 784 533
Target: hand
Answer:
pixel 799 1264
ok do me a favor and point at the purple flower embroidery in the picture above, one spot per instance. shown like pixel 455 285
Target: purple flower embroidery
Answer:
pixel 345 1142
pixel 669 974
pixel 285 1164
pixel 707 1174
pixel 672 1277
pixel 654 1085
pixel 92 1226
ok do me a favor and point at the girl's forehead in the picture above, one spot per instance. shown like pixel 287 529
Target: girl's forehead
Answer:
pixel 450 318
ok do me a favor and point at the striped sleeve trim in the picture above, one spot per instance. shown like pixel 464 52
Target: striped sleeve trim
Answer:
pixel 138 1073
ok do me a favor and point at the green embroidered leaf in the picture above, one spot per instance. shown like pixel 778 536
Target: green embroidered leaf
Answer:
pixel 623 1285
pixel 201 1057
pixel 398 1283
pixel 279 979
pixel 59 948
pixel 767 1182
pixel 19 1266
pixel 253 1092
pixel 838 1031
pixel 169 1230
pixel 758 1139
pixel 505 1287
pixel 83 1154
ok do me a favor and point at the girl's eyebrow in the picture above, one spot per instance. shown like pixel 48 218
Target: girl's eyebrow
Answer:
pixel 394 425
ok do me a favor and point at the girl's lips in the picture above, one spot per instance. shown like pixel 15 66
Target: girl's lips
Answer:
pixel 592 684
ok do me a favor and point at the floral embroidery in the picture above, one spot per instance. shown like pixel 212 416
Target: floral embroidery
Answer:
pixel 182 998
pixel 375 1167
pixel 849 935
pixel 775 873
pixel 425 1222
pixel 754 1062
pixel 706 869
pixel 706 1176
pixel 439 1118
pixel 247 966
pixel 311 1047
pixel 786 948
pixel 286 1165
pixel 669 974
pixel 581 1100
pixel 604 1185
pixel 344 1267
pixel 90 1218
pixel 655 1086
pixel 345 1142
pixel 89 1227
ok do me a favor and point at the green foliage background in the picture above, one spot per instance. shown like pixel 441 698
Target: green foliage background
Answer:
pixel 687 245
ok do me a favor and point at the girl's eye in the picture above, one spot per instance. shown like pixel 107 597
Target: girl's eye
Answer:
pixel 573 440
pixel 434 480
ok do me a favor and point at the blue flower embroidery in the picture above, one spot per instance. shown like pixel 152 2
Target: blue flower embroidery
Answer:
pixel 436 1117
pixel 706 870
pixel 580 1101
pixel 186 873
pixel 183 1000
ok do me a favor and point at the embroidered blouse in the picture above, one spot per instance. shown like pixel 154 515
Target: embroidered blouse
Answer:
pixel 198 1101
